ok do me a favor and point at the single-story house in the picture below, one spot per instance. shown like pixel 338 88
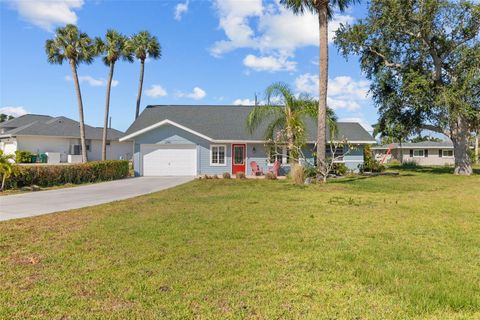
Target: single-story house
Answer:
pixel 59 138
pixel 423 153
pixel 197 140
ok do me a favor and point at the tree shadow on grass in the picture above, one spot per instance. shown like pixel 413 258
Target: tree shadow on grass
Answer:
pixel 429 169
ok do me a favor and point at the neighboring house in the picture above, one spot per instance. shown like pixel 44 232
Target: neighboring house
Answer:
pixel 423 153
pixel 197 140
pixel 59 138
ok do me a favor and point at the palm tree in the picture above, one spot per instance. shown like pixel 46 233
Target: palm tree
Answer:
pixel 324 10
pixel 114 47
pixel 69 44
pixel 143 46
pixel 286 112
pixel 5 167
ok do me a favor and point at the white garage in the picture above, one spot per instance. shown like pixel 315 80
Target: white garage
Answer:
pixel 169 160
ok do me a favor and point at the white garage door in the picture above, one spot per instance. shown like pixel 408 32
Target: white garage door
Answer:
pixel 169 160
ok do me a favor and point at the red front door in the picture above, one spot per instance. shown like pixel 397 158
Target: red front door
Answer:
pixel 238 158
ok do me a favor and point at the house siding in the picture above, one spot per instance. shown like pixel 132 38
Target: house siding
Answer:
pixel 169 134
pixel 353 157
pixel 432 160
pixel 42 144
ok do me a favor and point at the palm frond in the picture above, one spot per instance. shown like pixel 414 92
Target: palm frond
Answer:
pixel 143 45
pixel 279 93
pixel 70 44
pixel 261 114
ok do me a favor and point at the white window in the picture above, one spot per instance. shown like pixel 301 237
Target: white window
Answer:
pixel 280 154
pixel 420 153
pixel 217 155
pixel 447 153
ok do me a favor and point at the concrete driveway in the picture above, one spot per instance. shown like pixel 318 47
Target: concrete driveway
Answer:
pixel 42 202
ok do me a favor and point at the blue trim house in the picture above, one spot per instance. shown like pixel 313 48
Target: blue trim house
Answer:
pixel 197 140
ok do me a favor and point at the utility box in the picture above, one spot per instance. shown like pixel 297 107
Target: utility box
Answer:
pixel 53 157
pixel 72 158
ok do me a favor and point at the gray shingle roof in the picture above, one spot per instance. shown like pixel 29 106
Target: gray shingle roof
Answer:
pixel 23 120
pixel 423 144
pixel 228 122
pixel 40 125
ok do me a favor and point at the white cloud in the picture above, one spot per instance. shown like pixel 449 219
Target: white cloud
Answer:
pixel 180 9
pixel 283 30
pixel 307 83
pixel 270 29
pixel 196 94
pixel 343 103
pixel 156 91
pixel 13 111
pixel 94 82
pixel 343 91
pixel 48 13
pixel 269 63
pixel 234 15
pixel 244 102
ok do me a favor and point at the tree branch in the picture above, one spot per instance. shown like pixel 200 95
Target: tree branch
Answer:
pixel 437 61
pixel 385 61
pixel 433 128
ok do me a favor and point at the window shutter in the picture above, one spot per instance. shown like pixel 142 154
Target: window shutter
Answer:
pixel 440 153
pixel 411 153
pixel 426 153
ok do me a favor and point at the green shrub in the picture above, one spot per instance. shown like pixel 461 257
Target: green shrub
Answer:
pixel 340 169
pixel 240 175
pixel 23 156
pixel 368 154
pixel 409 164
pixel 394 162
pixel 371 166
pixel 310 171
pixel 52 175
pixel 270 176
pixel 226 175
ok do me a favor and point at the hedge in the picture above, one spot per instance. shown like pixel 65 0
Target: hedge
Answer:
pixel 52 175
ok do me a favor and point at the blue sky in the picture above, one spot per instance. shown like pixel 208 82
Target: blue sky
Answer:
pixel 213 52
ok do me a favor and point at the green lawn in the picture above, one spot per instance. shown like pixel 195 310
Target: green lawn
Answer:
pixel 405 247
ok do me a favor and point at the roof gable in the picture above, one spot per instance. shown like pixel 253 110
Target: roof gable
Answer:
pixel 226 123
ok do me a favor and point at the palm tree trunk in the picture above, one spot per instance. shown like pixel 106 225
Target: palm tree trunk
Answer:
pixel 293 158
pixel 323 83
pixel 80 111
pixel 107 109
pixel 140 85
pixel 4 177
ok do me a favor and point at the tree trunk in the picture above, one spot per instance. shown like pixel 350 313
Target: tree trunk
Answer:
pixel 140 85
pixel 80 111
pixel 401 152
pixel 107 109
pixel 4 177
pixel 477 142
pixel 459 135
pixel 323 83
